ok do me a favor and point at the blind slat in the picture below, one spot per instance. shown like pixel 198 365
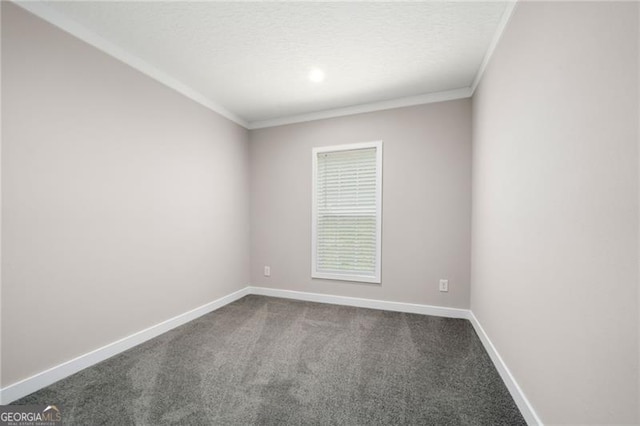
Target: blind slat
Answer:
pixel 346 211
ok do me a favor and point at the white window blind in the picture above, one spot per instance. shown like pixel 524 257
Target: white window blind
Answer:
pixel 346 212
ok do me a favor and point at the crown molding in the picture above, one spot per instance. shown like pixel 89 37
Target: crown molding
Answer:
pixel 497 36
pixel 41 10
pixel 428 98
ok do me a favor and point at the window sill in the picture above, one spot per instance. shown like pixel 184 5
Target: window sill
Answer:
pixel 346 277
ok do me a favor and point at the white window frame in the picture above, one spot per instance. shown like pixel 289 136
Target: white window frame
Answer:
pixel 376 278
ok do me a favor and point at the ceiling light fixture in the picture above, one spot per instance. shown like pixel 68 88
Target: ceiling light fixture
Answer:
pixel 316 75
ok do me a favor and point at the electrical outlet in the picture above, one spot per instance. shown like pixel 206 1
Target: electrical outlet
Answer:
pixel 444 285
pixel 267 271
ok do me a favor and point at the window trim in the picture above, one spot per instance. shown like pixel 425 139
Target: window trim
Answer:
pixel 376 278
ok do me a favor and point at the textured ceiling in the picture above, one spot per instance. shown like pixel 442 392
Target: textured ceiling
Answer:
pixel 253 59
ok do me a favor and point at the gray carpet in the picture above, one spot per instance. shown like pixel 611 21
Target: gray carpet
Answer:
pixel 272 361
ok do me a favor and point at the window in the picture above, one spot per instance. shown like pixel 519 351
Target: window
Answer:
pixel 347 201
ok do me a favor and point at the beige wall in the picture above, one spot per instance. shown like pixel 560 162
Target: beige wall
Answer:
pixel 425 212
pixel 123 203
pixel 0 204
pixel 555 208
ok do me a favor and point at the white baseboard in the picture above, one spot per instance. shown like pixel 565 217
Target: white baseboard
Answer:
pixel 410 308
pixel 518 396
pixel 31 384
pixel 516 392
pixel 52 375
